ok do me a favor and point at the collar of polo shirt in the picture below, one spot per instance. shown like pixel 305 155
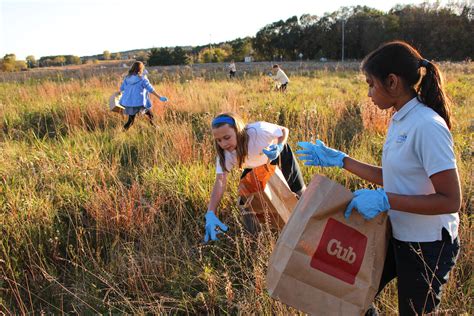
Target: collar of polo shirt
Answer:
pixel 399 115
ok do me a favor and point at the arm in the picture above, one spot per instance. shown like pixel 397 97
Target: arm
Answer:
pixel 284 138
pixel 446 199
pixel 277 76
pixel 147 85
pixel 217 191
pixel 365 171
pixel 155 94
pixel 213 225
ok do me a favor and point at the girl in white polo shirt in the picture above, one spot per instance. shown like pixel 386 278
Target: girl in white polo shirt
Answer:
pixel 248 146
pixel 280 77
pixel 421 189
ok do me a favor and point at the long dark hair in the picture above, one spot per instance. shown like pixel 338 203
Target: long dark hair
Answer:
pixel 401 59
pixel 137 69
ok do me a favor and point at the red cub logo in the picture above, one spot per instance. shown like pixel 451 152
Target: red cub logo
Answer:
pixel 340 252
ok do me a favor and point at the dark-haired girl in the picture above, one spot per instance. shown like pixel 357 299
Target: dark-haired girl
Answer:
pixel 421 189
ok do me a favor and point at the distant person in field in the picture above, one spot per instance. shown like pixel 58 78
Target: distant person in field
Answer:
pixel 135 89
pixel 232 69
pixel 280 77
pixel 248 146
pixel 418 179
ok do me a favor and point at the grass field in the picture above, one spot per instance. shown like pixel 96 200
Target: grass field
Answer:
pixel 97 220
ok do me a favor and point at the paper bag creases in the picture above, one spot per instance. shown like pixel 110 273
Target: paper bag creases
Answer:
pixel 322 263
pixel 265 193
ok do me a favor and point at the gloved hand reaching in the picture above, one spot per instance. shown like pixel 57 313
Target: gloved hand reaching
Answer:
pixel 212 222
pixel 163 99
pixel 273 151
pixel 369 203
pixel 319 154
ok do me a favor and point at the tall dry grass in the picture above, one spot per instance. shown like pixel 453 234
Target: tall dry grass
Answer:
pixel 95 220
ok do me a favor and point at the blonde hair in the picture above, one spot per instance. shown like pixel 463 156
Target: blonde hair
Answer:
pixel 242 139
pixel 137 69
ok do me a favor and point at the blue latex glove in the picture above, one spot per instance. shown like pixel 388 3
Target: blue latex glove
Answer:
pixel 369 203
pixel 163 99
pixel 212 222
pixel 319 154
pixel 273 151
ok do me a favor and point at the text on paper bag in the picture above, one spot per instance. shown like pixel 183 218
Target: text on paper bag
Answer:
pixel 340 251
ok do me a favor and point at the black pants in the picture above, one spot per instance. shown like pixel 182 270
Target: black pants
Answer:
pixel 131 119
pixel 232 74
pixel 422 268
pixel 283 87
pixel 292 173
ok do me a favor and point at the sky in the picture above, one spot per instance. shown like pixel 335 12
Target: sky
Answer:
pixel 88 27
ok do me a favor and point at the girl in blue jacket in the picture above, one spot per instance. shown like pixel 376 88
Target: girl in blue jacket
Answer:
pixel 135 88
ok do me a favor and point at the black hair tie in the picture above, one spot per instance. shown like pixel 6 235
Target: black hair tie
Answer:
pixel 424 63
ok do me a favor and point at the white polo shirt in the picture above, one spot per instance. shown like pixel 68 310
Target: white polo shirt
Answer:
pixel 281 77
pixel 261 135
pixel 418 145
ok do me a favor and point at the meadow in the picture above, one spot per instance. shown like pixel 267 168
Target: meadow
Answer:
pixel 97 220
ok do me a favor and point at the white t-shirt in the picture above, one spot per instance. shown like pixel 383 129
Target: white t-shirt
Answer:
pixel 261 135
pixel 232 67
pixel 418 145
pixel 281 77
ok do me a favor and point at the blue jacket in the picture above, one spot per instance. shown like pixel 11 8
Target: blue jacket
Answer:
pixel 134 91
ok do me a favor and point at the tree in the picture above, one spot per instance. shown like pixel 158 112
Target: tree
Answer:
pixel 179 56
pixel 9 63
pixel 212 55
pixel 141 56
pixel 73 60
pixel 31 61
pixel 160 57
pixel 106 55
pixel 20 65
pixel 116 56
pixel 59 61
pixel 241 48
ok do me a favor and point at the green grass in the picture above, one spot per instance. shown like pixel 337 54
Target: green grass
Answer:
pixel 95 220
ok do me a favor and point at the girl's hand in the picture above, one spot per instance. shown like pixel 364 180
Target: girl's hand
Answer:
pixel 273 151
pixel 369 203
pixel 212 223
pixel 319 154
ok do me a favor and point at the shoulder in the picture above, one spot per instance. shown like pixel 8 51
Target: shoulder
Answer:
pixel 261 125
pixel 426 117
pixel 430 127
pixel 264 129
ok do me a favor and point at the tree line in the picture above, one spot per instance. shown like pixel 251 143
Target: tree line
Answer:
pixel 439 32
pixel 442 33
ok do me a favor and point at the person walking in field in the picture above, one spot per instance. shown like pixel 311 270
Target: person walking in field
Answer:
pixel 247 146
pixel 232 69
pixel 421 188
pixel 280 77
pixel 135 89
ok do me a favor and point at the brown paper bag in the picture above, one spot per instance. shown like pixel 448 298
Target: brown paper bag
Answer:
pixel 114 104
pixel 324 264
pixel 273 203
